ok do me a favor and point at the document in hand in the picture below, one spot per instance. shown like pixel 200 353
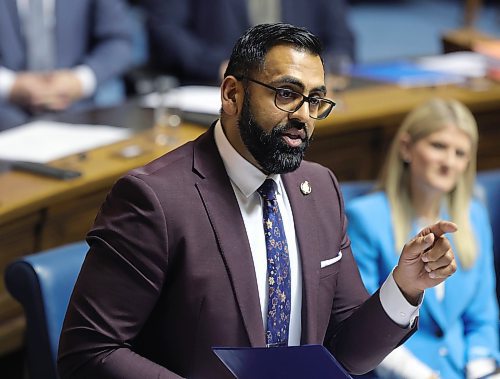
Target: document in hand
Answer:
pixel 292 362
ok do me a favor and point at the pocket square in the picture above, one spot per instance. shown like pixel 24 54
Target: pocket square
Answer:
pixel 331 261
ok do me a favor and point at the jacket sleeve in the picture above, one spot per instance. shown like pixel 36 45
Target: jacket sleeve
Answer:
pixel 193 38
pixel 336 34
pixel 327 19
pixel 110 52
pixel 363 333
pixel 118 286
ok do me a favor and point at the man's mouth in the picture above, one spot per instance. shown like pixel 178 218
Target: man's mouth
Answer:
pixel 294 137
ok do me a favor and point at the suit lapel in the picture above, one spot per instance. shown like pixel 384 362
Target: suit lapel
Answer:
pixel 223 211
pixel 304 211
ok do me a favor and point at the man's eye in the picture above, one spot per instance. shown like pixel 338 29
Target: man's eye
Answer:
pixel 314 101
pixel 286 93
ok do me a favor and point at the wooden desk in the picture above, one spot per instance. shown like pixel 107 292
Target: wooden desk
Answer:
pixel 38 213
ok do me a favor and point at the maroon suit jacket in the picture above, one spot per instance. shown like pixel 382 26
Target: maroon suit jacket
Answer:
pixel 170 274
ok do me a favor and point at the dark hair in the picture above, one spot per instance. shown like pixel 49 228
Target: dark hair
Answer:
pixel 251 48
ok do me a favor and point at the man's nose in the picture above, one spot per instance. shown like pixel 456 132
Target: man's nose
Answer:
pixel 301 114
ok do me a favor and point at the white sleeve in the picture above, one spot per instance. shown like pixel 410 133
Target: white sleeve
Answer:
pixel 87 78
pixel 395 304
pixel 7 79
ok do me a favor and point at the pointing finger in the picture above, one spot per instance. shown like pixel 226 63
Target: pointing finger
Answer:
pixel 439 228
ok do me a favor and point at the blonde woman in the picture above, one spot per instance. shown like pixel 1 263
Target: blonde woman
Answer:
pixel 429 175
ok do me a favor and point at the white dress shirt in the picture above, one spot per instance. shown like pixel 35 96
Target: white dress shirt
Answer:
pixel 245 180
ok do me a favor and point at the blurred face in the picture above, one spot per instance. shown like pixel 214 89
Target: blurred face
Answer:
pixel 276 140
pixel 438 160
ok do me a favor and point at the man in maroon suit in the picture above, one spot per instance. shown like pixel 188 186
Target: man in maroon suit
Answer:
pixel 177 261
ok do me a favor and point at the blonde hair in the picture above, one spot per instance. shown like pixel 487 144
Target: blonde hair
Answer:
pixel 426 119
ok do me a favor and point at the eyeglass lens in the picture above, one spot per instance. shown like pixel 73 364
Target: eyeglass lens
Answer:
pixel 290 101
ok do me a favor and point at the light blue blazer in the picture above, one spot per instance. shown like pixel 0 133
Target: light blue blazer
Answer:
pixel 462 326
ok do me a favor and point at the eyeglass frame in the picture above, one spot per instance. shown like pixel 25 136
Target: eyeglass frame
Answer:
pixel 305 98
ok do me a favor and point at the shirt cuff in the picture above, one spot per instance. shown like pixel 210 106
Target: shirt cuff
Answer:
pixel 7 80
pixel 87 79
pixel 395 304
pixel 480 367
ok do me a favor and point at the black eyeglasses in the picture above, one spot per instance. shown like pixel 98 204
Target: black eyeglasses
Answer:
pixel 290 101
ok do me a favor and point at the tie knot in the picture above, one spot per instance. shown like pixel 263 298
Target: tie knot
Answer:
pixel 268 190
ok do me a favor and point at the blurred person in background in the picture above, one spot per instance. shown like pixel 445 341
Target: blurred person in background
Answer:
pixel 57 55
pixel 429 175
pixel 192 40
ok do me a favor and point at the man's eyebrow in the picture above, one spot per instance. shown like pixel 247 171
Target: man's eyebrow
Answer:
pixel 298 83
pixel 321 89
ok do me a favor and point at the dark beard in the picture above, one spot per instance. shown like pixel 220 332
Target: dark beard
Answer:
pixel 273 154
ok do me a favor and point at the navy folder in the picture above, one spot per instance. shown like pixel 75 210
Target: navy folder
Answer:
pixel 292 362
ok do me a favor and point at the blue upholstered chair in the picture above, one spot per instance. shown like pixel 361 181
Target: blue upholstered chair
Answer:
pixel 43 283
pixel 353 189
pixel 488 190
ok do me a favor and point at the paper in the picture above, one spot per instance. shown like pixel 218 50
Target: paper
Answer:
pixel 293 362
pixel 196 99
pixel 44 141
pixel 464 63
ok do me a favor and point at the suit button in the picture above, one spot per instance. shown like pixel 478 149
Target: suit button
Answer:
pixel 443 351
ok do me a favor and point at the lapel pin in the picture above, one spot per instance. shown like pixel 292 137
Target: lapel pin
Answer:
pixel 305 188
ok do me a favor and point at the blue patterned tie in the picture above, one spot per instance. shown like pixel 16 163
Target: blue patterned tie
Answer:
pixel 278 268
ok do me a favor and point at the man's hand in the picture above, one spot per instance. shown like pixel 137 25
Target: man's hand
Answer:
pixel 28 90
pixel 52 91
pixel 425 261
pixel 64 89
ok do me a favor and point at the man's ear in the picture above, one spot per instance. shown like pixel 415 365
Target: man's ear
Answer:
pixel 231 95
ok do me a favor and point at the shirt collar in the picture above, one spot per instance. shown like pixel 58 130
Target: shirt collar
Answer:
pixel 244 175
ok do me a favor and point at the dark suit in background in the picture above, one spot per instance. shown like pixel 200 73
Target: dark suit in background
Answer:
pixel 191 38
pixel 95 33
